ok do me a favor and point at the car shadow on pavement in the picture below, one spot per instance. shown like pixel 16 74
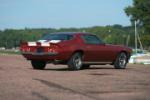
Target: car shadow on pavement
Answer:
pixel 99 74
pixel 100 67
pixel 66 69
pixel 57 69
pixel 91 68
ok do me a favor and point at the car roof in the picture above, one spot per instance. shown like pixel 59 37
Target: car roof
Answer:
pixel 71 33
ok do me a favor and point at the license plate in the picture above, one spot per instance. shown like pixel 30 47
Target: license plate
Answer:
pixel 39 50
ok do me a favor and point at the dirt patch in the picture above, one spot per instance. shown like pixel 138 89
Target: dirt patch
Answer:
pixel 18 81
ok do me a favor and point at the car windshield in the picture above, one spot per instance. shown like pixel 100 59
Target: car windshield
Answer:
pixel 57 37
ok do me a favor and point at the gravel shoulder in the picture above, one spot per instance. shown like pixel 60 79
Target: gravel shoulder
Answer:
pixel 18 81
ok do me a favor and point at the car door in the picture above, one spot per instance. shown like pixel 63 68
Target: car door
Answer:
pixel 94 48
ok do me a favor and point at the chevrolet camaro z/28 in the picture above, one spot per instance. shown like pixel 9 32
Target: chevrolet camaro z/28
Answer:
pixel 76 49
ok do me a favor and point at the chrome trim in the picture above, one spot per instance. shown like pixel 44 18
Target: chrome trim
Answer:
pixel 41 54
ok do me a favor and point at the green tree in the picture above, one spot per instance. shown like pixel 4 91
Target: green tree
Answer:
pixel 140 11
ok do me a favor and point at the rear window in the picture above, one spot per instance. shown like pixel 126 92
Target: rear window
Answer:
pixel 57 37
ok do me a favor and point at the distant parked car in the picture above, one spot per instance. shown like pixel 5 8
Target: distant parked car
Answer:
pixel 77 50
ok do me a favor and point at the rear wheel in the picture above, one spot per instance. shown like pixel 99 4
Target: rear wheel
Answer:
pixel 75 62
pixel 121 61
pixel 38 64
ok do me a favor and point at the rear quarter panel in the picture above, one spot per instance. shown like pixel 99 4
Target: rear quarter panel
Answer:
pixel 71 46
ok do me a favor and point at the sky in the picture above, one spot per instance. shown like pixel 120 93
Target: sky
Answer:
pixel 19 14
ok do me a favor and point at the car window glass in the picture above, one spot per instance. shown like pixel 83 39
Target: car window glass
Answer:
pixel 57 37
pixel 70 37
pixel 91 39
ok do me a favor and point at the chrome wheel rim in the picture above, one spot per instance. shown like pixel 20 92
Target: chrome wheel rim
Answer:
pixel 122 60
pixel 77 62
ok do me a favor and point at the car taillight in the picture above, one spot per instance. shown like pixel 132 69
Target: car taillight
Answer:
pixel 53 48
pixel 24 47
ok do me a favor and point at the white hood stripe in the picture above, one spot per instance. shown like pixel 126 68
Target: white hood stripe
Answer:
pixel 32 44
pixel 35 44
pixel 43 42
pixel 55 41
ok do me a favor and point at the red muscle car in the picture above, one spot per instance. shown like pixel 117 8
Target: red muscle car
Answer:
pixel 76 49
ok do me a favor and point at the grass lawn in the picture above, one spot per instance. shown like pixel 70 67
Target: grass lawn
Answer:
pixel 9 52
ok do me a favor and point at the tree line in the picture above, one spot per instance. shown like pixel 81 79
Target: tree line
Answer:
pixel 115 34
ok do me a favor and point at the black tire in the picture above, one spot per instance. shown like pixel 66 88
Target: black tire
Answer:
pixel 121 61
pixel 38 64
pixel 85 66
pixel 75 62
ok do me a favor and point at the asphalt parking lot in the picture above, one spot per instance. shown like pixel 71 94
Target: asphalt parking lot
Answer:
pixel 18 81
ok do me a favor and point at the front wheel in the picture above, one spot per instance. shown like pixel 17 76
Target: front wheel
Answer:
pixel 75 62
pixel 121 61
pixel 38 64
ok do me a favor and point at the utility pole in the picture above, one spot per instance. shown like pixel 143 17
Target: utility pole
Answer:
pixel 127 41
pixel 135 37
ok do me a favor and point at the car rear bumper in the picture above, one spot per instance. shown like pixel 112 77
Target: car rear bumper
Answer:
pixel 46 56
pixel 40 54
